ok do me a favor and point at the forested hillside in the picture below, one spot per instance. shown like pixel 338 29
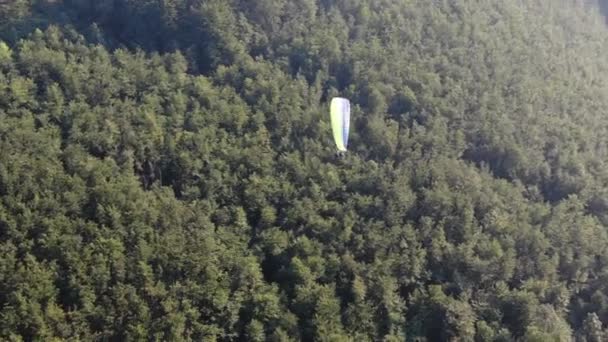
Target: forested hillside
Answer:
pixel 167 171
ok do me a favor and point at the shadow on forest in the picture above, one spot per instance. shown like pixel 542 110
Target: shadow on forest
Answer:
pixel 118 25
pixel 13 29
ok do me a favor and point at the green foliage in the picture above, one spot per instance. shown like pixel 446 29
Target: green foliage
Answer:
pixel 167 173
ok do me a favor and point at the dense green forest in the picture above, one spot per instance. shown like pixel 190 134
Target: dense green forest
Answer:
pixel 167 171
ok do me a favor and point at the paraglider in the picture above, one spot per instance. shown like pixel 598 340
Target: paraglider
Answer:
pixel 340 122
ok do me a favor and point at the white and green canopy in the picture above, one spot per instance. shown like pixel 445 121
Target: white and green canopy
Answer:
pixel 340 121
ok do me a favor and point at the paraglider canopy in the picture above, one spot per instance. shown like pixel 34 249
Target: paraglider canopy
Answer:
pixel 340 121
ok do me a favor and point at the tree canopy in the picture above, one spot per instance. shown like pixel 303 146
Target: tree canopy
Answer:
pixel 167 170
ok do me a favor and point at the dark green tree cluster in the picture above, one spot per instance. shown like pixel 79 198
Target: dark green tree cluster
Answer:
pixel 167 171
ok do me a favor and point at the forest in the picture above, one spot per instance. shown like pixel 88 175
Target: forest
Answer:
pixel 167 170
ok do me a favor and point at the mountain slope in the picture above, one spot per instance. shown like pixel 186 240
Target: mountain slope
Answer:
pixel 168 172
